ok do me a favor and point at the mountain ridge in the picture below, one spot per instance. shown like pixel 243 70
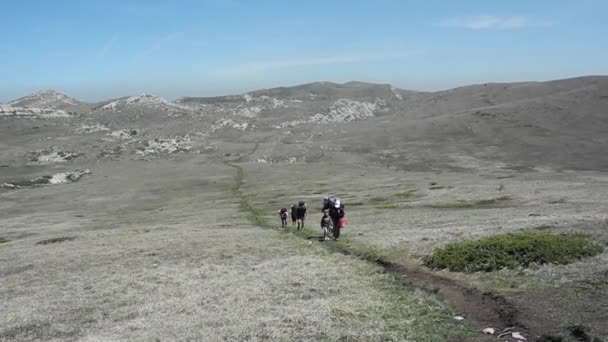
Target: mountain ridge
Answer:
pixel 20 102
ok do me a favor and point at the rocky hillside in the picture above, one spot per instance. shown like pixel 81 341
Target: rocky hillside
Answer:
pixel 51 99
pixel 557 124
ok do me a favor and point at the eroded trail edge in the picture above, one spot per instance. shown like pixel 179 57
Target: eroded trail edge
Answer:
pixel 483 309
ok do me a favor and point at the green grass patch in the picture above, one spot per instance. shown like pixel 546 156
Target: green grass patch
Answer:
pixel 406 194
pixel 544 227
pixel 354 204
pixel 56 240
pixel 436 187
pixel 480 204
pixel 3 239
pixel 513 251
pixel 378 199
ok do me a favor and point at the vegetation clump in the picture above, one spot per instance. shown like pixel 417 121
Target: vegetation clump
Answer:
pixel 56 240
pixel 513 251
pixel 406 194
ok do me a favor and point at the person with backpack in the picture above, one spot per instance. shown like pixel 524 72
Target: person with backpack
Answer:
pixel 301 214
pixel 325 223
pixel 293 215
pixel 335 209
pixel 283 215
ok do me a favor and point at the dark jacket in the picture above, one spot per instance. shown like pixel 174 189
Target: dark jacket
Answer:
pixel 301 212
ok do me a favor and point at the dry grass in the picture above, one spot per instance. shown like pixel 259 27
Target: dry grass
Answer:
pixel 190 268
pixel 56 240
pixel 416 229
pixel 477 204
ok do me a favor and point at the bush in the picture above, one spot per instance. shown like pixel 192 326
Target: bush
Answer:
pixel 56 240
pixel 512 251
pixel 406 194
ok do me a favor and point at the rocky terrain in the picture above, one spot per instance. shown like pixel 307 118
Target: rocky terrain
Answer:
pixel 556 125
pixel 164 202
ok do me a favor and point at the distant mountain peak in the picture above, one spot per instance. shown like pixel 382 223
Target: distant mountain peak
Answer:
pixel 143 100
pixel 47 98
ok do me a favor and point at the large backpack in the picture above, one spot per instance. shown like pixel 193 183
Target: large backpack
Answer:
pixel 330 201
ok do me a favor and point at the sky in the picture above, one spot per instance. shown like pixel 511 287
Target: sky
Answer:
pixel 95 50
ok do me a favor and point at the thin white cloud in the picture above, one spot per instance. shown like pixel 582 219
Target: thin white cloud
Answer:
pixel 157 45
pixel 259 67
pixel 492 22
pixel 107 46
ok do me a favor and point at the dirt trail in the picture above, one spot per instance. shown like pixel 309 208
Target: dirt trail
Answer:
pixel 481 308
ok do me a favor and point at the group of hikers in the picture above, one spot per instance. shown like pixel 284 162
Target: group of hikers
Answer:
pixel 333 215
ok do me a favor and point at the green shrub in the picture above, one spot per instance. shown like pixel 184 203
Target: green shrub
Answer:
pixel 406 194
pixel 512 251
pixel 56 240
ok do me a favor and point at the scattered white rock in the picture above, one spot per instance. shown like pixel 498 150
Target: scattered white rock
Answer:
pixel 68 177
pixel 173 145
pixel 274 103
pixel 266 160
pixel 88 129
pixel 42 113
pixel 518 336
pixel 250 112
pixel 343 110
pixel 45 99
pixel 291 124
pixel 488 331
pixel 8 186
pixel 254 106
pixel 459 318
pixel 396 93
pixel 54 157
pixel 230 124
pixel 123 134
pixel 150 101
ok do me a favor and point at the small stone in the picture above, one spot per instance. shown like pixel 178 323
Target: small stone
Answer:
pixel 488 331
pixel 458 318
pixel 518 336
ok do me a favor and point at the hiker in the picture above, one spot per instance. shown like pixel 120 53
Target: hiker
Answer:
pixel 301 214
pixel 325 220
pixel 293 215
pixel 283 214
pixel 335 209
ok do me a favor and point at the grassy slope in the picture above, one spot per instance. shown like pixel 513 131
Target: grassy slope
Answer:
pixel 386 224
pixel 174 257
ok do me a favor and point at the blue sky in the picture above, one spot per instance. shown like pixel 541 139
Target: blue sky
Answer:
pixel 99 49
